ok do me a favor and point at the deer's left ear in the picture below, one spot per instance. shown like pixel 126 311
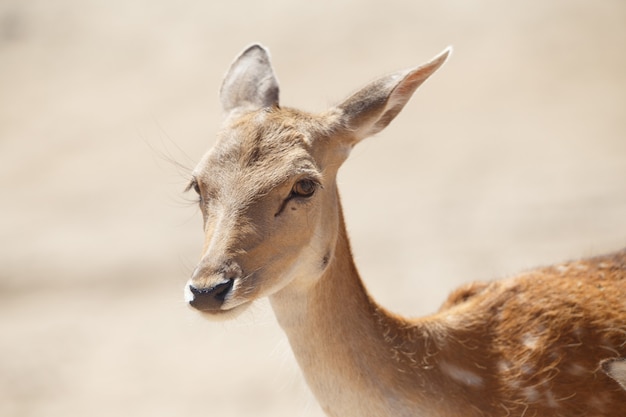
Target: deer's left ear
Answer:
pixel 371 109
pixel 250 83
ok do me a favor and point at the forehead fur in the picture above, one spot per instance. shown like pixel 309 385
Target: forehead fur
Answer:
pixel 268 134
pixel 265 148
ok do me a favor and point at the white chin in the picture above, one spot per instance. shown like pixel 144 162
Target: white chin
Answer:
pixel 224 315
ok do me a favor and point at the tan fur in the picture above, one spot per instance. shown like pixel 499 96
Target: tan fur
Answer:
pixel 539 344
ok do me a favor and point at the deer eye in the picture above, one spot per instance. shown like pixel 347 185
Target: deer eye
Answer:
pixel 304 188
pixel 193 185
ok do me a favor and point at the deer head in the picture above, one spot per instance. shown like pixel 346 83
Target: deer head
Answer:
pixel 267 189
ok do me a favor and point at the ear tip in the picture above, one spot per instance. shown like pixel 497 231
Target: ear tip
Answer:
pixel 255 48
pixel 445 54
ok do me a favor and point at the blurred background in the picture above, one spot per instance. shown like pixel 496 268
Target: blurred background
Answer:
pixel 512 156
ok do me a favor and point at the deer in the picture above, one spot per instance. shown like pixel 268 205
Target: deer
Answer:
pixel 548 342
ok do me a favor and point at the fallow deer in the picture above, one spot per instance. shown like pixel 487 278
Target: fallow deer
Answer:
pixel 548 342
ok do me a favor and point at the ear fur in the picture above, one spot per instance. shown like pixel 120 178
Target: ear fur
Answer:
pixel 371 109
pixel 250 83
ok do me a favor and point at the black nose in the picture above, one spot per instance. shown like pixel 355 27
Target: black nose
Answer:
pixel 212 298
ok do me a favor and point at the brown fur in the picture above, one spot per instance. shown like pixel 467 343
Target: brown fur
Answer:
pixel 547 332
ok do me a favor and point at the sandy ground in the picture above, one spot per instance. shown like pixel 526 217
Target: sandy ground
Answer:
pixel 512 156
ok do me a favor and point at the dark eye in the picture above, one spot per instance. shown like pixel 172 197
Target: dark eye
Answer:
pixel 304 188
pixel 196 187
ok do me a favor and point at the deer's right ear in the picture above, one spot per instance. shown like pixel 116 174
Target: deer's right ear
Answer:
pixel 371 109
pixel 250 83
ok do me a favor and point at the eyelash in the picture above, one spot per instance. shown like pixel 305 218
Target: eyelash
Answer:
pixel 193 185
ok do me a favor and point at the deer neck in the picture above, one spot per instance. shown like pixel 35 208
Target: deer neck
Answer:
pixel 348 347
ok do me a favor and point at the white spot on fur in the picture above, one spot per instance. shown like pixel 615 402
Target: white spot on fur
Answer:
pixel 531 394
pixel 551 400
pixel 579 332
pixel 616 369
pixel 527 369
pixel 581 267
pixel 463 376
pixel 504 366
pixel 530 341
pixel 576 369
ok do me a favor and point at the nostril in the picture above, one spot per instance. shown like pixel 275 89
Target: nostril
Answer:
pixel 210 298
pixel 222 290
pixel 218 291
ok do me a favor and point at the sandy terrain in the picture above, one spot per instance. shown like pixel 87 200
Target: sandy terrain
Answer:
pixel 512 156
